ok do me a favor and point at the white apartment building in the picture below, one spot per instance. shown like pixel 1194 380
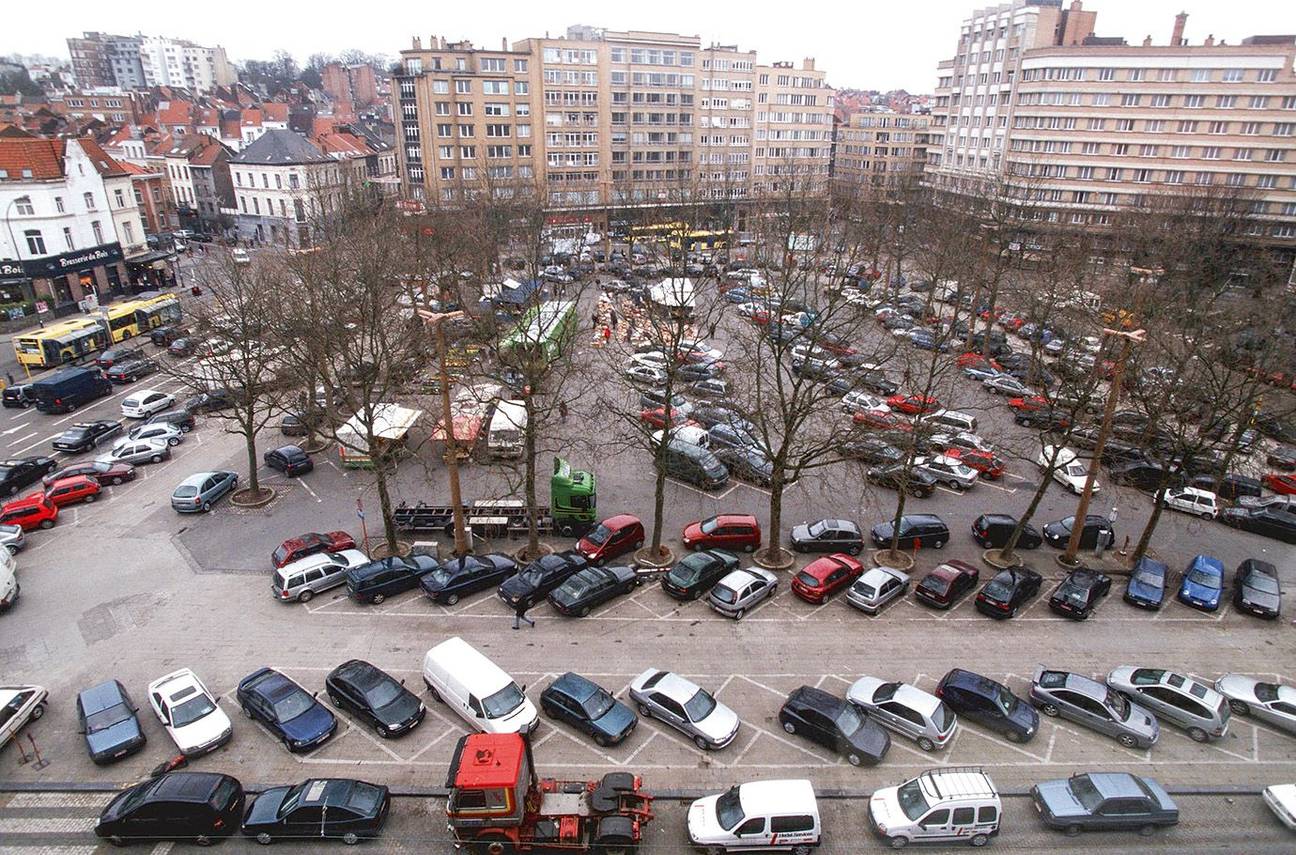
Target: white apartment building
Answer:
pixel 282 183
pixel 175 62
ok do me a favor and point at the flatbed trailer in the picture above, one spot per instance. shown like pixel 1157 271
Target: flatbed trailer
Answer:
pixel 486 518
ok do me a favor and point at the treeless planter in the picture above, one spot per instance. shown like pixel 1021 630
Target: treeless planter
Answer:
pixel 994 557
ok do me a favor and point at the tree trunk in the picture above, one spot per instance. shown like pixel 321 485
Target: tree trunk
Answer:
pixel 659 502
pixel 1006 554
pixel 529 469
pixel 1145 538
pixel 249 435
pixel 900 503
pixel 384 502
pixel 778 480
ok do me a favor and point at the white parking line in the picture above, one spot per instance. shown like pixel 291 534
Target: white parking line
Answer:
pixel 23 438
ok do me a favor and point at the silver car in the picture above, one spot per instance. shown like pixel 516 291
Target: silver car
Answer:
pixel 686 707
pixel 877 587
pixel 137 452
pixel 165 431
pixel 1006 384
pixel 1090 703
pixel 1180 700
pixel 905 709
pixel 1271 702
pixel 12 538
pixel 741 590
pixel 950 471
pixel 198 491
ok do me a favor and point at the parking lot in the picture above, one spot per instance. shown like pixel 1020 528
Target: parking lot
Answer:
pixel 127 588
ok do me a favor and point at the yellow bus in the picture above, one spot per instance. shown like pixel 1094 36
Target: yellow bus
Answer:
pixel 60 343
pixel 132 317
pixel 699 239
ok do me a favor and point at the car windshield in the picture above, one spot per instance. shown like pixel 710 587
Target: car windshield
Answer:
pixel 1074 592
pixel 191 710
pixel 599 535
pixel 577 586
pixel 105 719
pixel 943 717
pixel 533 576
pixel 849 720
pixel 289 707
pixel 723 594
pixel 188 491
pixel 699 706
pixel 1066 523
pixel 597 704
pixel 1147 577
pixel 729 810
pixel 710 525
pixel 1086 793
pixel 911 799
pixel 999 588
pixel 1262 583
pixel 382 693
pixel 279 554
pixel 504 701
pixel 1205 578
pixel 1004 699
pixel 1075 470
pixel 1118 704
pixel 440 576
pixel 817 528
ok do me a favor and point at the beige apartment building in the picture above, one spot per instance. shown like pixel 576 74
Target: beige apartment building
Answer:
pixel 1082 126
pixel 880 147
pixel 601 119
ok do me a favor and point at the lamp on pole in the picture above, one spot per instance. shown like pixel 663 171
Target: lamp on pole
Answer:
pixel 436 321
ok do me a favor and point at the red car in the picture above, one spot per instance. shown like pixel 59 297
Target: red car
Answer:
pixel 944 586
pixel 982 461
pixel 913 404
pixel 614 536
pixel 880 420
pixel 1011 322
pixel 1028 405
pixel 69 491
pixel 309 544
pixel 976 360
pixel 656 417
pixel 30 512
pixel 1281 483
pixel 825 576
pixel 724 531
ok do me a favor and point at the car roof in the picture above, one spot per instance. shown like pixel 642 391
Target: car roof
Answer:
pixel 620 521
pixel 101 697
pixel 195 479
pixel 759 798
pixel 1207 562
pixel 818 699
pixel 674 686
pixel 1115 785
pixel 187 786
pixel 574 685
pixel 744 575
pixel 921 519
pixel 734 519
pixel 877 575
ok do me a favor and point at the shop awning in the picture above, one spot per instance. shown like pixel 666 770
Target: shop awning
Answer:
pixel 151 256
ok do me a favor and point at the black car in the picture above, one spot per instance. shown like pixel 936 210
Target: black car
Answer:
pixel 17 396
pixel 375 696
pixel 541 576
pixel 1282 458
pixel 588 707
pixel 114 355
pixel 18 472
pixel 459 577
pixel 916 530
pixel 592 587
pixel 198 806
pixel 130 370
pixel 993 530
pixel 1011 587
pixel 1045 418
pixel 878 383
pixel 1078 594
pixel 1141 475
pixel 691 371
pixel 989 703
pixel 1096 528
pixel 711 415
pixel 287 710
pixel 872 450
pixel 106 717
pixel 836 724
pixel 1256 590
pixel 1275 522
pixel 1276 427
pixel 292 424
pixel 164 336
pixel 915 482
pixel 183 346
pixel 1232 486
pixel 378 580
pixel 291 460
pixel 828 536
pixel 748 463
pixel 209 401
pixel 84 436
pixel 183 419
pixel 696 573
pixel 341 808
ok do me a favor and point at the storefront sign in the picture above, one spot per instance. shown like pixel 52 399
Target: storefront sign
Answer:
pixel 12 270
pixel 74 262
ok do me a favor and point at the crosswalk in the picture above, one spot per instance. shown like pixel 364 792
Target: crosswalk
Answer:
pixel 55 823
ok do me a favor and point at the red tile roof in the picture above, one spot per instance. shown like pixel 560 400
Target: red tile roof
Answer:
pixel 106 166
pixel 275 112
pixel 44 158
pixel 175 113
pixel 251 117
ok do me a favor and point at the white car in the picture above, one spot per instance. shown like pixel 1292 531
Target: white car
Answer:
pixel 757 816
pixel 13 538
pixel 1274 703
pixel 1281 799
pixel 651 359
pixel 1070 470
pixel 190 714
pixel 646 374
pixel 950 471
pixel 860 402
pixel 856 297
pixel 962 439
pixel 240 256
pixel 146 402
pixel 19 705
pixel 164 431
pixel 1191 500
pixel 692 434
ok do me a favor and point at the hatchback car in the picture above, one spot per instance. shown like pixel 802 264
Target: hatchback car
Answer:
pixel 1191 500
pixel 458 577
pixel 18 396
pixel 828 535
pixel 1096 530
pixel 913 404
pixel 916 530
pixel 612 538
pixel 291 460
pixel 534 582
pixel 338 808
pixel 1008 591
pixel 1182 701
pixel 375 697
pixel 989 703
pixel 201 490
pixel 106 717
pixel 918 483
pixel 145 402
pixel 686 707
pixel 589 708
pixel 18 472
pixel 823 577
pixel 1203 584
pixel 905 709
pixel 984 463
pixel 836 724
pixel 1273 703
pixel 1093 705
pixel 877 587
pixel 1077 595
pixel 113 355
pixel 993 530
pixel 137 452
pixel 202 807
pixel 69 491
pixel 947 584
pixel 1256 590
pixel 30 512
pixel 739 591
pixel 288 711
pixel 165 431
pixel 724 531
pixel 13 538
pixel 310 543
pixel 84 436
pixel 376 581
pixel 189 712
pixel 1147 584
pixel 1108 801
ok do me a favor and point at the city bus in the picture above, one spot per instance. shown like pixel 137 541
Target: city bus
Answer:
pixel 542 332
pixel 132 317
pixel 60 343
pixel 700 239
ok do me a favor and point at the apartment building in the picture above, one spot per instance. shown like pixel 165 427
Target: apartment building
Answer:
pixel 283 183
pixel 1082 126
pixel 198 171
pixel 139 61
pixel 601 118
pixel 880 147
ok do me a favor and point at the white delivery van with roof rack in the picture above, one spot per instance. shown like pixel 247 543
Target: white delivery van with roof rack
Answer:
pixel 952 804
pixel 759 816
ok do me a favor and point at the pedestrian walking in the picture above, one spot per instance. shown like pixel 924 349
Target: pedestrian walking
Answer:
pixel 613 317
pixel 607 334
pixel 519 614
pixel 562 410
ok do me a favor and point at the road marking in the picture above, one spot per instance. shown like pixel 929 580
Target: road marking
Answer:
pixel 306 486
pixel 49 438
pixel 48 825
pixel 70 800
pixel 21 438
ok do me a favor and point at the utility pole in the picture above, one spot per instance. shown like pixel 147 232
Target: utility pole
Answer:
pixel 436 320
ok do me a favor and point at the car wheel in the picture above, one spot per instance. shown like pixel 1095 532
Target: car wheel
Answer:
pixel 37 711
pixel 1207 515
pixel 1013 736
pixel 287 745
pixel 645 711
pixel 1147 830
pixel 749 547
pixel 898 842
pixel 117 840
pixel 157 458
pixel 13 549
pixel 264 839
pixel 116 481
pixel 350 838
pixel 90 498
pixel 926 744
pixel 789 727
pixel 940 544
pixel 1239 708
pixel 306 596
pixel 450 600
pixel 955 486
pixel 1053 712
pixel 1071 831
pixel 185 428
pixel 173 441
pixel 1197 734
pixel 854 760
pixel 1127 740
pixel 47 524
pixel 802 849
pixel 979 839
pixel 638 545
pixel 378 598
pixel 700 742
pixel 854 550
pixel 206 506
pixel 917 492
pixel 436 696
pixel 738 615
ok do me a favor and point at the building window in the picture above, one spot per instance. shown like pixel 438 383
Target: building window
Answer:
pixel 1160 100
pixel 1276 155
pixel 447 173
pixel 129 231
pixel 1129 99
pixel 520 66
pixel 1233 75
pixel 1194 100
pixel 98 232
pixel 463 87
pixel 465 108
pixel 1106 74
pixel 1226 101
pixel 88 198
pixel 35 242
pixel 443 108
pixel 256 206
pixel 491 64
pixel 466 131
pixel 24 207
pixel 1219 127
pixel 67 238
pixel 443 130
pixel 1259 102
pixel 119 198
pixel 441 87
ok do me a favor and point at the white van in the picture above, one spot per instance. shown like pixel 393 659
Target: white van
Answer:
pixel 954 420
pixel 958 803
pixel 8 580
pixel 757 816
pixel 507 429
pixel 477 689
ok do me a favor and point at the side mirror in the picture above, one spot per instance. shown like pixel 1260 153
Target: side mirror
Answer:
pixel 402 681
pixel 314 694
pixel 524 685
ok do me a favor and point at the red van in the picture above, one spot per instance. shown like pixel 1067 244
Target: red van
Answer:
pixel 614 536
pixel 724 531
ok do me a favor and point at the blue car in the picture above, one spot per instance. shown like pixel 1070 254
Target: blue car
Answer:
pixel 1146 586
pixel 289 712
pixel 588 707
pixel 738 295
pixel 106 716
pixel 1203 584
pixel 924 340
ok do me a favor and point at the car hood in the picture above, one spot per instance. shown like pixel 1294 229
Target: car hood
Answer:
pixel 861 691
pixel 516 586
pixel 1143 590
pixel 264 808
pixel 1025 716
pixel 111 738
pixel 1056 531
pixel 203 730
pixel 1199 592
pixel 1237 686
pixel 717 726
pixel 801 532
pixel 872 739
pixel 310 724
pixel 615 721
pixel 703 827
pixel 1057 798
pixel 1261 599
pixel 400 710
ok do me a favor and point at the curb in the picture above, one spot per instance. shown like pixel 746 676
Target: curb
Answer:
pixel 259 503
pixel 997 562
pixel 884 558
pixel 782 564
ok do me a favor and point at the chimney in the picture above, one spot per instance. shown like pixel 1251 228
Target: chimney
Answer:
pixel 1177 35
pixel 1147 41
pixel 504 43
pixel 807 64
pixel 418 43
pixel 1210 40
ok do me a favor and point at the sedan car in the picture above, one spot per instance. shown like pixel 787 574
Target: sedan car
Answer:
pixel 916 531
pixel 918 483
pixel 338 808
pixel 1008 591
pixel 534 582
pixel 201 807
pixel 1079 592
pixel 106 718
pixel 823 577
pixel 1093 705
pixel 1273 703
pixel 589 708
pixel 137 453
pixel 1147 584
pixel 183 346
pixel 201 490
pixel 375 697
pixel 947 584
pixel 130 370
pixel 684 706
pixel 984 463
pixel 1203 584
pixel 288 711
pixel 168 433
pixel 877 587
pixel 836 724
pixel 291 460
pixel 989 703
pixel 18 472
pixel 1256 590
pixel 13 538
pixel 1177 699
pixel 913 404
pixel 873 450
pixel 1275 522
pixel 648 375
pixel 905 709
pixel 310 543
pixel 739 591
pixel 1065 467
pixel 1006 384
pixel 1108 801
pixel 209 401
pixel 189 712
pixel 104 473
pixel 950 471
pixel 456 578
pixel 592 587
pixel 1096 530
pixel 1282 483
pixel 828 535
pixel 83 436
